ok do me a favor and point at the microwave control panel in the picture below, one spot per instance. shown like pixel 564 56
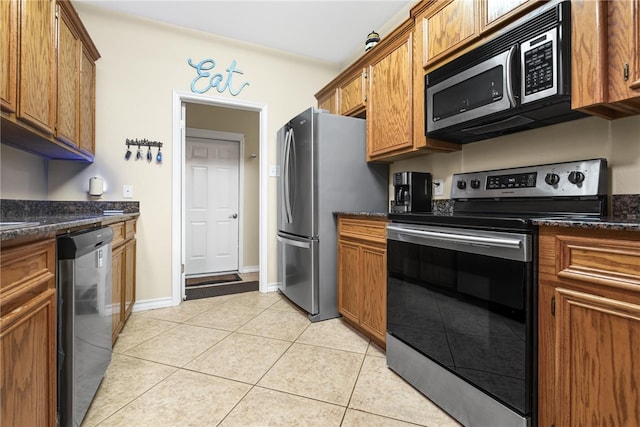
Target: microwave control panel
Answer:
pixel 539 66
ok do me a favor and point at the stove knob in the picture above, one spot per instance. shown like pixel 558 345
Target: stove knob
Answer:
pixel 552 178
pixel 462 184
pixel 475 183
pixel 576 177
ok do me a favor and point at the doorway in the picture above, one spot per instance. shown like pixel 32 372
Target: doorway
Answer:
pixel 180 103
pixel 213 190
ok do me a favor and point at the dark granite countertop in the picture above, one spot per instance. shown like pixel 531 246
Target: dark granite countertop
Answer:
pixel 40 218
pixel 364 214
pixel 605 223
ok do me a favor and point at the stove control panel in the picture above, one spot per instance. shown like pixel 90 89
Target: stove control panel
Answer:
pixel 579 178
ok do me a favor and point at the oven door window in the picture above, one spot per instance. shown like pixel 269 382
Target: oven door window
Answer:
pixel 466 312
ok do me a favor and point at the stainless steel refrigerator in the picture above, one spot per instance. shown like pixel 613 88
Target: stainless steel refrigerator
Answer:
pixel 323 170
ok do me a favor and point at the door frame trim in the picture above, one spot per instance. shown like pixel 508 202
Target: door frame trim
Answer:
pixel 239 139
pixel 178 183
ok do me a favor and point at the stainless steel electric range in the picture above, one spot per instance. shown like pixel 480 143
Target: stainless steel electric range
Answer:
pixel 462 288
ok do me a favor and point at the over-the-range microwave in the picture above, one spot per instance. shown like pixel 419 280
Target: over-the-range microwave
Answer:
pixel 519 80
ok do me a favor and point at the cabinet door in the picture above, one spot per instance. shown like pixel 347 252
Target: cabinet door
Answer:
pixel 87 103
pixel 624 53
pixel 389 112
pixel 588 53
pixel 28 369
pixel 117 289
pixel 330 104
pixel 352 97
pixel 449 26
pixel 8 54
pixel 129 277
pixel 497 11
pixel 69 48
pixel 373 316
pixel 349 280
pixel 36 82
pixel 597 350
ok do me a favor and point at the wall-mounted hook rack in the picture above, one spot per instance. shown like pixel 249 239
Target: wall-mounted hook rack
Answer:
pixel 143 143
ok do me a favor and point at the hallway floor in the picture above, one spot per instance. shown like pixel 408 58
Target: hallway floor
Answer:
pixel 251 359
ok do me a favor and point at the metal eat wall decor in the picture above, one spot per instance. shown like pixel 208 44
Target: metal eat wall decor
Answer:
pixel 215 80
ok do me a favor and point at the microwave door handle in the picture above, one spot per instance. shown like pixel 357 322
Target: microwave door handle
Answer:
pixel 509 73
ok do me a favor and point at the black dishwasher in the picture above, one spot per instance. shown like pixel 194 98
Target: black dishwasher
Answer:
pixel 84 319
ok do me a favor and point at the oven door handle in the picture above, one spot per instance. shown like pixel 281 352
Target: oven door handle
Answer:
pixel 460 238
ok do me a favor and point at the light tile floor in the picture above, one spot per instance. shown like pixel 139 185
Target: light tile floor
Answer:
pixel 251 359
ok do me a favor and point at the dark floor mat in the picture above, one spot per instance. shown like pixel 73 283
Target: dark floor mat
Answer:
pixel 212 280
pixel 218 290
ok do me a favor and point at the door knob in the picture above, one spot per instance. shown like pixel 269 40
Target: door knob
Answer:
pixel 234 216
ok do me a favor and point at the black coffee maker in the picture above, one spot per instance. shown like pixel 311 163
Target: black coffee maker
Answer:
pixel 411 192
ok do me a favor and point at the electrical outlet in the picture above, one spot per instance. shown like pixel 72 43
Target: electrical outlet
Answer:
pixel 127 191
pixel 438 187
pixel 274 170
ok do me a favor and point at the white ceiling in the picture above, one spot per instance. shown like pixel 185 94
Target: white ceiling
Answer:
pixel 327 30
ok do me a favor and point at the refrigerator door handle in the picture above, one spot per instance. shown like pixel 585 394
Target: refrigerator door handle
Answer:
pixel 286 175
pixel 304 245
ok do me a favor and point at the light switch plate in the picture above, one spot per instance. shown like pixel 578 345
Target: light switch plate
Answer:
pixel 438 187
pixel 127 191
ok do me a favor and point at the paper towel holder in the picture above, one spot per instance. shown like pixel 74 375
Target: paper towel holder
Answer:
pixel 96 186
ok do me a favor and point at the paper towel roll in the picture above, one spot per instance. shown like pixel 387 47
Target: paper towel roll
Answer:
pixel 96 186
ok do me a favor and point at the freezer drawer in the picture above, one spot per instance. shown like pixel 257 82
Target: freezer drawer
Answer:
pixel 298 279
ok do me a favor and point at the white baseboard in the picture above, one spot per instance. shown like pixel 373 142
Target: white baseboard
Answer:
pixel 151 304
pixel 273 287
pixel 250 269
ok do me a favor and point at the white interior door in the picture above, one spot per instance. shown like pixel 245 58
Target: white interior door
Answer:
pixel 211 205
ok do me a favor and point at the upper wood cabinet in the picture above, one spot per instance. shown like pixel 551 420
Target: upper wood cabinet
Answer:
pixel 588 327
pixel 352 95
pixel 76 82
pixel 494 12
pixel 605 74
pixel 447 26
pixel 9 55
pixel 36 64
pixel 68 99
pixel 382 87
pixel 47 98
pixel 624 54
pixel 329 102
pixel 450 28
pixel 389 103
pixel 87 103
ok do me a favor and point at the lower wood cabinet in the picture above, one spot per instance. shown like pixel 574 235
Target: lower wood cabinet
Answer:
pixel 123 272
pixel 28 333
pixel 362 275
pixel 589 327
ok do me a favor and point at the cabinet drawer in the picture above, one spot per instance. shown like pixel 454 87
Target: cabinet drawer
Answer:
pixel 118 233
pixel 362 229
pixel 25 272
pixel 607 262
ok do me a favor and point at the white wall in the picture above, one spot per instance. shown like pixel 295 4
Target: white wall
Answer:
pixel 142 64
pixel 618 141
